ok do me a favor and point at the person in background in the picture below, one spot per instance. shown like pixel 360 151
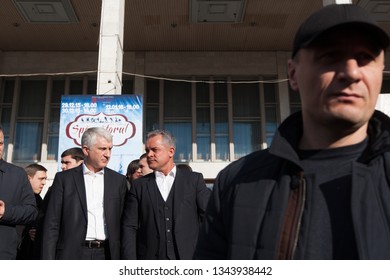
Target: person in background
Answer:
pixel 84 211
pixel 133 171
pixel 29 248
pixel 163 209
pixel 322 189
pixel 17 204
pixel 184 166
pixel 143 164
pixel 71 158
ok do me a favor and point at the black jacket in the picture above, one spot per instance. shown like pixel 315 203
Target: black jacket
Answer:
pixel 20 207
pixel 140 226
pixel 66 218
pixel 31 249
pixel 250 196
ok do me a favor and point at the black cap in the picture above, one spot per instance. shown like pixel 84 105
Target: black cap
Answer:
pixel 336 15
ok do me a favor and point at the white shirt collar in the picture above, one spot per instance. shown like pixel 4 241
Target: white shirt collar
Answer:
pixel 87 171
pixel 171 173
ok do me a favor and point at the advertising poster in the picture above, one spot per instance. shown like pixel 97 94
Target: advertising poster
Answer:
pixel 121 115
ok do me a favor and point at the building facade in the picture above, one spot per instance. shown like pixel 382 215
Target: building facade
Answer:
pixel 220 104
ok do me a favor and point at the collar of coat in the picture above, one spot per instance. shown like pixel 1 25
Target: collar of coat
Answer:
pixel 290 131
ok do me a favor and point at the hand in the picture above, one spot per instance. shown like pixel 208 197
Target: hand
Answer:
pixel 32 232
pixel 2 208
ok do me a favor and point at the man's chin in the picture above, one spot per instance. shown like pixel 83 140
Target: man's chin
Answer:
pixel 346 123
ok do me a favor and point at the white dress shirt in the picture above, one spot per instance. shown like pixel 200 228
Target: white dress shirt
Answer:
pixel 94 189
pixel 165 183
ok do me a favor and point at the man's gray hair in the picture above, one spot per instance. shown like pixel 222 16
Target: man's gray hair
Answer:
pixel 89 137
pixel 167 137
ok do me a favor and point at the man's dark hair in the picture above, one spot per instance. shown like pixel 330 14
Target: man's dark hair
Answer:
pixel 34 168
pixel 76 153
pixel 144 155
pixel 184 166
pixel 132 167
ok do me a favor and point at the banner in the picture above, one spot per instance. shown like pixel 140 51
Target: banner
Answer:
pixel 121 115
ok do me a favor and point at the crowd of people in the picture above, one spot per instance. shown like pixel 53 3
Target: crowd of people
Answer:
pixel 321 191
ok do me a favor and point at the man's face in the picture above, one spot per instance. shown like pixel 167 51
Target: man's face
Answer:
pixel 339 79
pixel 143 164
pixel 159 154
pixel 38 181
pixel 136 174
pixel 97 157
pixel 67 162
pixel 1 143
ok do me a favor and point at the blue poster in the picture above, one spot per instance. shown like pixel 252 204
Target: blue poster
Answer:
pixel 119 114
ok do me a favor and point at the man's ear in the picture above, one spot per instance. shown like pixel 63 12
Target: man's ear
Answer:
pixel 291 74
pixel 85 150
pixel 171 152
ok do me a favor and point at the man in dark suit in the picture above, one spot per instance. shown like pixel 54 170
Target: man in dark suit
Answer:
pixel 85 208
pixel 163 209
pixel 17 204
pixel 30 245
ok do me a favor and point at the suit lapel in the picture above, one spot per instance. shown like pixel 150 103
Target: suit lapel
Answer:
pixel 80 187
pixel 178 188
pixel 108 205
pixel 153 193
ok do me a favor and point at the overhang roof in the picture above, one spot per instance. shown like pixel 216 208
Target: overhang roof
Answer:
pixel 165 25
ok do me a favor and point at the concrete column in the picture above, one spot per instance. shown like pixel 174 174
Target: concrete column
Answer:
pixel 109 78
pixel 328 2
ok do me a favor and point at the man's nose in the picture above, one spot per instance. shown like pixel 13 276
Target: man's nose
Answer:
pixel 107 153
pixel 350 70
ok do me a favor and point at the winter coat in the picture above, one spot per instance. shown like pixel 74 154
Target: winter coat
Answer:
pixel 251 196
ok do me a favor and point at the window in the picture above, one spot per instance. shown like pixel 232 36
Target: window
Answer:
pixel 203 137
pixel 92 86
pixel 151 106
pixel 385 86
pixel 210 115
pixel 29 123
pixel 58 89
pixel 6 98
pixel 28 139
pixel 295 100
pixel 246 119
pixel 177 117
pixel 76 86
pixel 127 87
pixel 271 111
pixel 221 121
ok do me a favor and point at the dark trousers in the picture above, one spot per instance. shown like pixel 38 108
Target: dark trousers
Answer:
pixel 96 253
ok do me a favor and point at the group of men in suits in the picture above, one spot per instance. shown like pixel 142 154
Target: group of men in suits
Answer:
pixel 91 214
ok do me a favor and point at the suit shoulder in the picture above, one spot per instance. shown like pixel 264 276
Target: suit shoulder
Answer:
pixel 192 174
pixel 249 165
pixel 11 168
pixel 113 172
pixel 69 172
pixel 143 180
